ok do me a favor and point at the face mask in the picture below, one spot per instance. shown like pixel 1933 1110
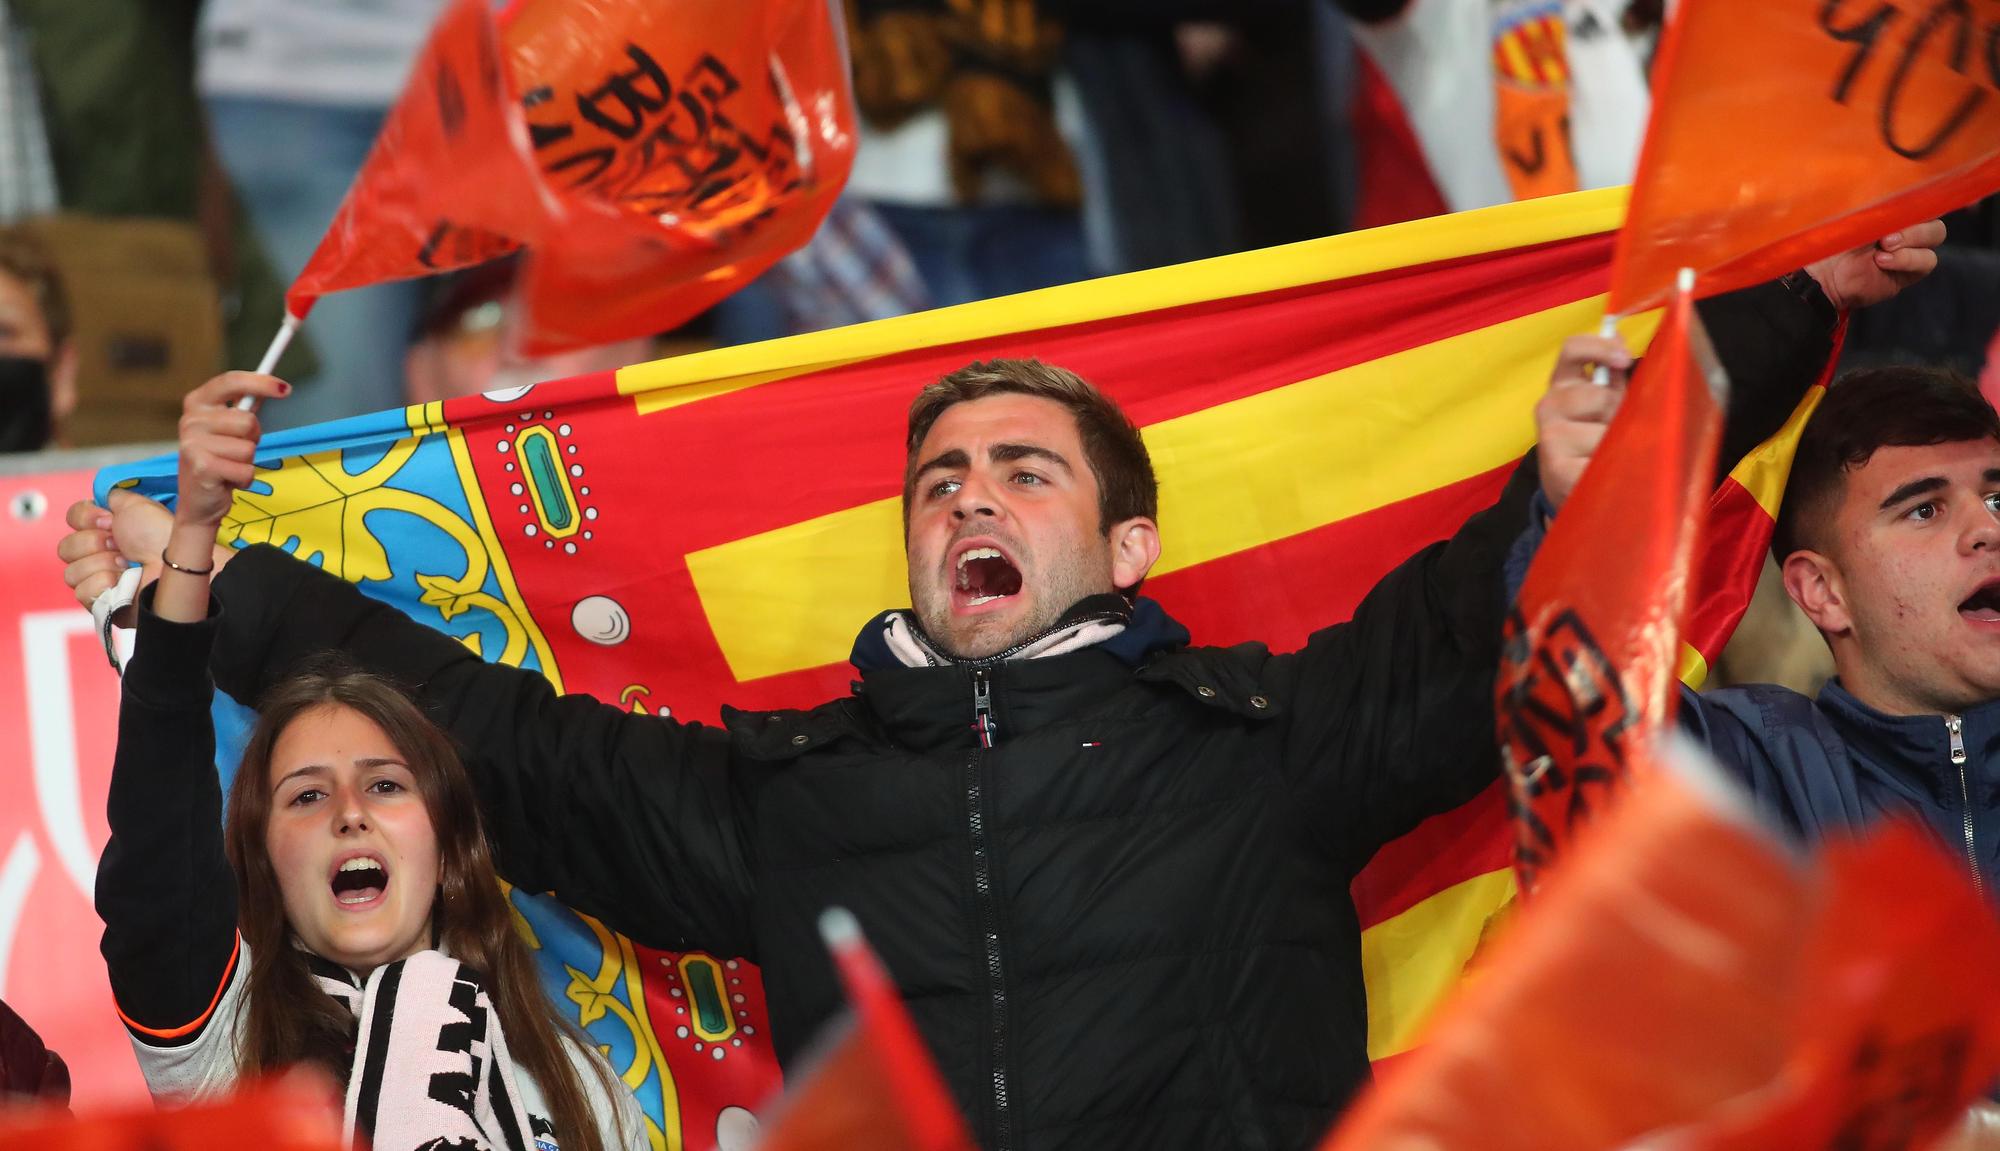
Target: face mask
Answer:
pixel 26 422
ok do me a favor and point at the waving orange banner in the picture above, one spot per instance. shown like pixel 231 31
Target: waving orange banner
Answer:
pixel 653 156
pixel 1588 673
pixel 1786 130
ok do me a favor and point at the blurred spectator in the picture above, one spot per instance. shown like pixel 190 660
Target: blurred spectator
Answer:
pixel 1005 145
pixel 961 149
pixel 1267 78
pixel 27 175
pixel 854 269
pixel 37 355
pixel 1513 99
pixel 29 1071
pixel 295 92
pixel 1155 84
pixel 126 136
pixel 459 346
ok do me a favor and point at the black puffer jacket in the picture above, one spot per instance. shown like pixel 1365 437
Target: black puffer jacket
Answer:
pixel 1125 924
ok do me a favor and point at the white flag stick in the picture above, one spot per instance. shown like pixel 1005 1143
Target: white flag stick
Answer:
pixel 1607 328
pixel 279 343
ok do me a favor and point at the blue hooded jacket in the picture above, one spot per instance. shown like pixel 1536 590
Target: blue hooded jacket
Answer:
pixel 1821 765
pixel 1817 766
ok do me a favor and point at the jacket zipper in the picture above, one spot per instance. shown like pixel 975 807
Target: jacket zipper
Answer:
pixel 1956 726
pixel 987 729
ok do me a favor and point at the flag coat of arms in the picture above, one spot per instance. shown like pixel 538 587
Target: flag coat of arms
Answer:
pixel 716 528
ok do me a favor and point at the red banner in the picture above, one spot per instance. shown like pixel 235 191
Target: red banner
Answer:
pixel 1784 131
pixel 653 157
pixel 1593 646
pixel 58 723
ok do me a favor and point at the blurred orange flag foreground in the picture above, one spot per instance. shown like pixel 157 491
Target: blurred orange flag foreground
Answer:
pixel 1784 131
pixel 1687 979
pixel 1587 673
pixel 873 1083
pixel 296 1113
pixel 652 155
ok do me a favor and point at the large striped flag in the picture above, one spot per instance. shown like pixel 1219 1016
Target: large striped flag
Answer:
pixel 717 527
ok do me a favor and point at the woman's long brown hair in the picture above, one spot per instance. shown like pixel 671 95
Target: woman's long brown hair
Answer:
pixel 289 1020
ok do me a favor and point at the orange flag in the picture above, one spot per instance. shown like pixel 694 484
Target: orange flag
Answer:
pixel 1691 982
pixel 652 157
pixel 1593 644
pixel 875 1085
pixel 1784 131
pixel 296 1113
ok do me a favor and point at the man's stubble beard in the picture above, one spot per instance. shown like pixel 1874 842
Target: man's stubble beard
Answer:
pixel 1069 580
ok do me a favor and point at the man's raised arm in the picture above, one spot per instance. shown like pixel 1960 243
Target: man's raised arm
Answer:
pixel 1395 721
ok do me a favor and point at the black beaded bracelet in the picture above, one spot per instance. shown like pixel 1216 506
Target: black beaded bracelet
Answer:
pixel 209 570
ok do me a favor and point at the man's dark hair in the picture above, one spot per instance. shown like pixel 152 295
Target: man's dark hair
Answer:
pixel 24 257
pixel 1111 444
pixel 1866 410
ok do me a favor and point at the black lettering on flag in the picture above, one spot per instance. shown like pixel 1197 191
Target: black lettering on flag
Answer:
pixel 628 89
pixel 1948 32
pixel 451 101
pixel 677 150
pixel 1959 13
pixel 450 245
pixel 1564 717
pixel 1863 34
pixel 1897 1090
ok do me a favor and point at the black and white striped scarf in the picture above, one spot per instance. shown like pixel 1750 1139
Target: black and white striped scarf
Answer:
pixel 431 1067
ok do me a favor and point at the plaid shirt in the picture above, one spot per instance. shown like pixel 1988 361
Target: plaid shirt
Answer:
pixel 854 270
pixel 27 178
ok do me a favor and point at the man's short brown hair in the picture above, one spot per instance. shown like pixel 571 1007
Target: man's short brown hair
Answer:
pixel 24 257
pixel 1111 444
pixel 1896 406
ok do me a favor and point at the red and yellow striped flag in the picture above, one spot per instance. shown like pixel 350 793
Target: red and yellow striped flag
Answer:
pixel 718 527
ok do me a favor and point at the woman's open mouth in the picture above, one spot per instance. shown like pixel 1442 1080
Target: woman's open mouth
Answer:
pixel 360 881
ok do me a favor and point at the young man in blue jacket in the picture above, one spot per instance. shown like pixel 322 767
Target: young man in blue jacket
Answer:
pixel 1889 542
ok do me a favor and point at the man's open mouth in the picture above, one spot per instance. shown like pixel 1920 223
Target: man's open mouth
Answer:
pixel 359 880
pixel 1983 606
pixel 984 574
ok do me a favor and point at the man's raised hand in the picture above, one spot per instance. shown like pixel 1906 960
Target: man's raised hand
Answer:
pixel 1871 274
pixel 1572 416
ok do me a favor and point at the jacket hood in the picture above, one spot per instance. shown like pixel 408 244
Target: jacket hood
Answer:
pixel 1148 630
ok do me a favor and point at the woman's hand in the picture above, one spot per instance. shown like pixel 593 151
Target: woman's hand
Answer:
pixel 102 544
pixel 219 446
